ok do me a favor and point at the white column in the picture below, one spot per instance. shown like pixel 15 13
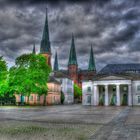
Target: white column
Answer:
pixel 118 94
pixel 129 95
pixel 95 95
pixel 106 96
pixel 92 96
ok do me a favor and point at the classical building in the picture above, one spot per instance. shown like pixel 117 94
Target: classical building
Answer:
pixel 115 84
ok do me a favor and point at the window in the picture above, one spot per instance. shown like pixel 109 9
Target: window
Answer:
pixel 31 98
pixel 38 98
pixel 89 89
pixel 89 99
pixel 124 88
pixel 138 99
pixel 138 88
pixel 114 88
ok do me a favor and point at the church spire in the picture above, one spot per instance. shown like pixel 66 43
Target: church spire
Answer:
pixel 56 67
pixel 45 42
pixel 72 56
pixel 34 50
pixel 91 66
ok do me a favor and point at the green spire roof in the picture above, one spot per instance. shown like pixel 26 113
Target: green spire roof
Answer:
pixel 72 56
pixel 45 42
pixel 91 66
pixel 34 51
pixel 56 67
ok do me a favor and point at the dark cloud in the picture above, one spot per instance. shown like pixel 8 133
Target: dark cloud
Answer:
pixel 54 2
pixel 111 26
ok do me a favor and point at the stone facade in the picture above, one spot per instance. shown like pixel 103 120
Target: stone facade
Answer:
pixel 67 87
pixel 112 90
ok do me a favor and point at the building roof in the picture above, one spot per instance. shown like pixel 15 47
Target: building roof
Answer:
pixel 56 67
pixel 91 66
pixel 53 80
pixel 61 74
pixel 120 69
pixel 34 50
pixel 72 55
pixel 128 76
pixel 45 42
pixel 85 72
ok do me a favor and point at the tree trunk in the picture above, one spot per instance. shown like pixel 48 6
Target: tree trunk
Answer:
pixel 28 100
pixel 22 102
pixel 44 104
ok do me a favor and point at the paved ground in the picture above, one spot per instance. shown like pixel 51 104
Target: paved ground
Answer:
pixel 73 122
pixel 62 114
pixel 125 126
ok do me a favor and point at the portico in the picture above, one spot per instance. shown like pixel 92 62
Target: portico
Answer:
pixel 108 90
pixel 112 92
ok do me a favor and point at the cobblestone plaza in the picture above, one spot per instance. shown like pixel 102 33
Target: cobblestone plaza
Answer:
pixel 73 122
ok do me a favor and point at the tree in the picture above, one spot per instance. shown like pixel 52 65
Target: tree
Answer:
pixel 77 92
pixel 3 77
pixel 62 97
pixel 29 75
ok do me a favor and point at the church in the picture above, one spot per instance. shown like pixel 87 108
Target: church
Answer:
pixel 72 72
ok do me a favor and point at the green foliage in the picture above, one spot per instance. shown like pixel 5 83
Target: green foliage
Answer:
pixel 112 102
pixel 101 100
pixel 29 75
pixel 3 69
pixel 62 97
pixel 3 77
pixel 77 91
pixel 7 100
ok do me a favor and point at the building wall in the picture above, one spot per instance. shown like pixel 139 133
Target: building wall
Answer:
pixel 87 93
pixel 136 92
pixel 48 57
pixel 67 88
pixel 53 96
pixel 73 73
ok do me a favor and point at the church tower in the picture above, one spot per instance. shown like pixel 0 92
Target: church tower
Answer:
pixel 91 66
pixel 56 67
pixel 45 47
pixel 72 64
pixel 34 51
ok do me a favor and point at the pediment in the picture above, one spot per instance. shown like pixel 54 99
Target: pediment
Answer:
pixel 112 78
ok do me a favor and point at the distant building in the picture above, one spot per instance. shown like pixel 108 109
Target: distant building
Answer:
pixel 115 84
pixel 73 72
pixel 53 96
pixel 54 91
pixel 67 87
pixel 76 74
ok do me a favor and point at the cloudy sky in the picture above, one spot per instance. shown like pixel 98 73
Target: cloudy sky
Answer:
pixel 111 26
